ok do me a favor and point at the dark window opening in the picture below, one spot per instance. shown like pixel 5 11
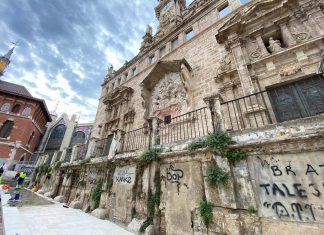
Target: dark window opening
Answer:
pixel 6 129
pixel 16 108
pixel 224 10
pixel 78 138
pixel 56 137
pixel 167 119
pixel 299 99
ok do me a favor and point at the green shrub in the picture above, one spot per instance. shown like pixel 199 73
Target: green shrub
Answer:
pixel 216 175
pixel 96 193
pixel 218 141
pixel 57 165
pixel 251 210
pixel 84 161
pixel 150 155
pixel 197 144
pixel 235 155
pixel 206 212
pixel 44 169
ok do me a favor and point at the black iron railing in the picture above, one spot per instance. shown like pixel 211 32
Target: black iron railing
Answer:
pixel 251 111
pixel 193 124
pixel 135 140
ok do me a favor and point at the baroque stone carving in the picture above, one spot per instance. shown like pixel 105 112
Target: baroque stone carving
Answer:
pixel 147 39
pixel 289 69
pixel 274 45
pixel 168 92
pixel 225 63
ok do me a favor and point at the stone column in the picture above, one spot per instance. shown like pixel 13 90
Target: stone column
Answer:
pixel 155 131
pixel 10 162
pixel 115 144
pixel 214 105
pixel 240 63
pixel 74 153
pixel 63 155
pixel 54 158
pixel 287 37
pixel 91 148
pixel 263 49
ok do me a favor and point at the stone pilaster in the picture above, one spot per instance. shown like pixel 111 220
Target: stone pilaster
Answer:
pixel 235 46
pixel 214 105
pixel 263 49
pixel 287 37
pixel 54 158
pixel 74 153
pixel 63 155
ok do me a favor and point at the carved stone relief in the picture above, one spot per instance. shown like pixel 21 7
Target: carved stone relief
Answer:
pixel 169 95
pixel 289 69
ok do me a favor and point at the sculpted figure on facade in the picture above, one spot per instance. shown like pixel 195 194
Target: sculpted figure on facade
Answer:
pixel 147 39
pixel 274 45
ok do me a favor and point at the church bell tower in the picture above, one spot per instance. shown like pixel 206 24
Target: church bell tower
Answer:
pixel 5 61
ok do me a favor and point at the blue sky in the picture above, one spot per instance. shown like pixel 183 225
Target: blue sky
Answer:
pixel 65 46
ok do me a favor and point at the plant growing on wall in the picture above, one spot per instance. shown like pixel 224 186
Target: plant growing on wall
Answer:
pixel 251 210
pixel 216 175
pixel 218 142
pixel 197 144
pixel 44 169
pixel 84 161
pixel 153 202
pixel 57 165
pixel 150 155
pixel 206 212
pixel 96 194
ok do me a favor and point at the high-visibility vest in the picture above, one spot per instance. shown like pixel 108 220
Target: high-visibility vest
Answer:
pixel 22 175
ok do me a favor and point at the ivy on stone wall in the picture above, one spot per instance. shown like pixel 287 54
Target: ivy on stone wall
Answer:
pixel 206 212
pixel 216 176
pixel 153 202
pixel 150 155
pixel 218 142
pixel 96 193
pixel 57 165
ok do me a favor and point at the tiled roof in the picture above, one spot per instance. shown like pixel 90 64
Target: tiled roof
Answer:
pixel 20 91
pixel 14 89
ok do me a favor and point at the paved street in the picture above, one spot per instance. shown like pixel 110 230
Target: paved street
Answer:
pixel 55 219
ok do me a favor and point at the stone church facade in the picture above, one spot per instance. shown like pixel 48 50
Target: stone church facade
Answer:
pixel 253 70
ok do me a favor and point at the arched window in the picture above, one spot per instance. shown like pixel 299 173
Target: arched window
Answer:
pixel 16 108
pixel 22 159
pixel 78 138
pixel 26 112
pixel 56 137
pixel 6 129
pixel 5 107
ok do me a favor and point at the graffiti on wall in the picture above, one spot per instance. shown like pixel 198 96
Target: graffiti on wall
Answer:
pixel 291 187
pixel 173 176
pixel 124 175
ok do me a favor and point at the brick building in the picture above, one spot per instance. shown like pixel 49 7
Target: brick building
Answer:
pixel 22 121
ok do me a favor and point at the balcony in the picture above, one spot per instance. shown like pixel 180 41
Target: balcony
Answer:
pixel 295 107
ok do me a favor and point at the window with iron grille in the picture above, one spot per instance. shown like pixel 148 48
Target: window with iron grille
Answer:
pixel 299 99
